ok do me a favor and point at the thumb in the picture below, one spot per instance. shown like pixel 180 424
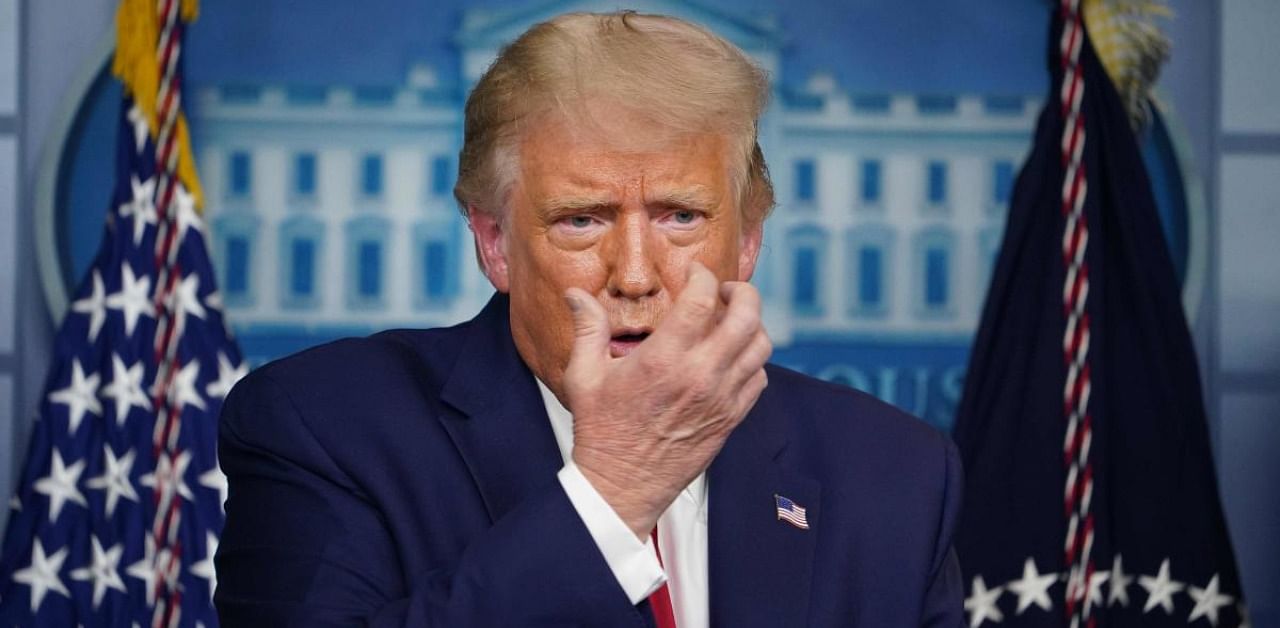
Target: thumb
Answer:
pixel 590 328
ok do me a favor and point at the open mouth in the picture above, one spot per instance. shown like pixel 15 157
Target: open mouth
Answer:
pixel 626 341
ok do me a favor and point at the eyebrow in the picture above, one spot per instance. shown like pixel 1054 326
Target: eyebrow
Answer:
pixel 692 197
pixel 558 205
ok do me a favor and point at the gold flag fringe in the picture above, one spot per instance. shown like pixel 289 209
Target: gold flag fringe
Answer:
pixel 137 65
pixel 1132 49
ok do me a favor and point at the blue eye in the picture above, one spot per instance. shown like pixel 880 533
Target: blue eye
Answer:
pixel 580 222
pixel 685 217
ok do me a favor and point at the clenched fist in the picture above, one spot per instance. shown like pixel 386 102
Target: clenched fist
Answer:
pixel 648 422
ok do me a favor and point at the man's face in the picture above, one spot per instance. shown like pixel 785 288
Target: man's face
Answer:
pixel 617 214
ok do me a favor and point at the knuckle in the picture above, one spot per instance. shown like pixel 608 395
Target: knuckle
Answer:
pixel 766 351
pixel 700 304
pixel 742 322
pixel 701 388
pixel 749 294
pixel 735 327
pixel 746 309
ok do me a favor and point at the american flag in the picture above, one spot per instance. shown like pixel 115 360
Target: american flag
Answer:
pixel 791 512
pixel 1091 497
pixel 119 507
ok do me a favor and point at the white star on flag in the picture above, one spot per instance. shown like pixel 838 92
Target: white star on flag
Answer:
pixel 216 480
pixel 60 485
pixel 204 568
pixel 214 300
pixel 140 127
pixel 140 345
pixel 80 396
pixel 187 299
pixel 102 571
pixel 228 375
pixel 126 387
pixel 1160 589
pixel 1094 597
pixel 1033 588
pixel 145 569
pixel 187 216
pixel 42 574
pixel 94 305
pixel 981 605
pixel 168 568
pixel 1119 584
pixel 1208 600
pixel 184 392
pixel 134 298
pixel 170 477
pixel 115 478
pixel 142 208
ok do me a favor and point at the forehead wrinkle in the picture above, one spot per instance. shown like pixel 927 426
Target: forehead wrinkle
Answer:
pixel 572 189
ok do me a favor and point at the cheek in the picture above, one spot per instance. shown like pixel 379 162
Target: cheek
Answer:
pixel 554 267
pixel 543 272
pixel 674 265
pixel 719 251
pixel 583 269
pixel 716 248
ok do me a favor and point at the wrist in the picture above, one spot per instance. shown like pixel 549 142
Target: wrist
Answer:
pixel 638 511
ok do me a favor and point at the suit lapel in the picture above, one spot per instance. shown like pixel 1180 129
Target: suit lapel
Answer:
pixel 760 566
pixel 500 425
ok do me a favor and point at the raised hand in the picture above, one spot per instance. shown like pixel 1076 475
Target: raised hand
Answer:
pixel 647 423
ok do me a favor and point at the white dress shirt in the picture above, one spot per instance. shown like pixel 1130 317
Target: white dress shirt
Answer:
pixel 682 533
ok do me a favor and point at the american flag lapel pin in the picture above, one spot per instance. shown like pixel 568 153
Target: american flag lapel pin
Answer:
pixel 791 512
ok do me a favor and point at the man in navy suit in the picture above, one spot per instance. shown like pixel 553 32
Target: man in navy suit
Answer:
pixel 604 444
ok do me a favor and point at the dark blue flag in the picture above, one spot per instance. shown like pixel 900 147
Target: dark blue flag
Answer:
pixel 119 506
pixel 1091 497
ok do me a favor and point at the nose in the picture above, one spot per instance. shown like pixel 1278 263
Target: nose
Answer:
pixel 631 268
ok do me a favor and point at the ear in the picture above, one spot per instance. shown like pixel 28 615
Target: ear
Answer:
pixel 749 249
pixel 491 246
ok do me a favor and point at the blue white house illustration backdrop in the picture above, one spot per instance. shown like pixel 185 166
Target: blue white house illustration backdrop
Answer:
pixel 332 214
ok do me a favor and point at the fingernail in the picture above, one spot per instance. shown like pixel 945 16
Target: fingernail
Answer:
pixel 574 303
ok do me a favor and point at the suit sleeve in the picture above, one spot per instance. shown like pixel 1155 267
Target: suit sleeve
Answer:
pixel 944 598
pixel 303 546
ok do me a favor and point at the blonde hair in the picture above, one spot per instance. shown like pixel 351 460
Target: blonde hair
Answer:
pixel 677 74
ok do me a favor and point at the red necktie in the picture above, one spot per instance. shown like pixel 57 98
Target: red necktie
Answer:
pixel 660 600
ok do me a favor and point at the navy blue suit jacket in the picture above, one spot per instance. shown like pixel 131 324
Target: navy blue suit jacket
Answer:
pixel 409 479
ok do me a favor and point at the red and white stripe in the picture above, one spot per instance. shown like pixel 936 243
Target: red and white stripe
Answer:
pixel 1078 493
pixel 794 515
pixel 165 525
